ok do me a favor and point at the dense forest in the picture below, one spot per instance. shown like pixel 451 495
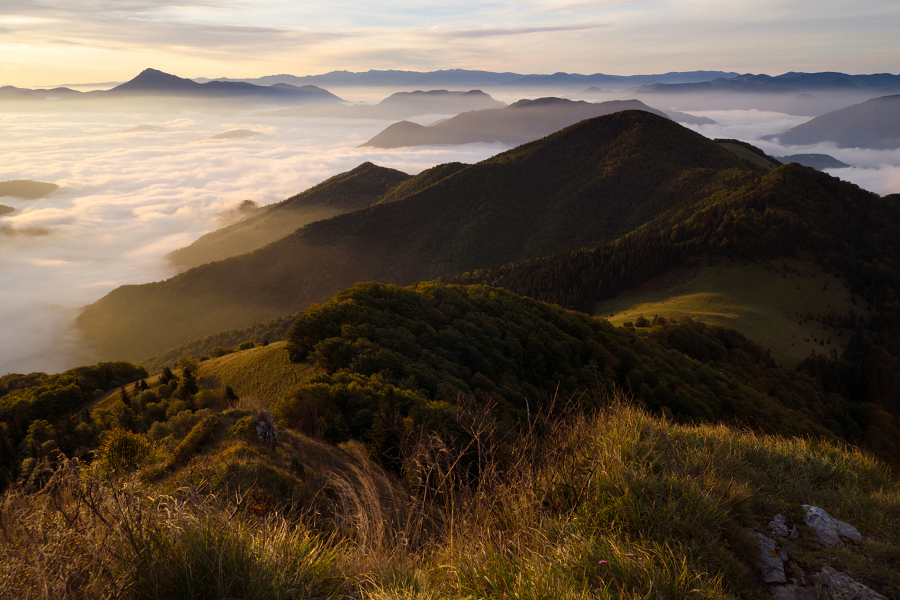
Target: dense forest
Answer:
pixel 41 413
pixel 382 350
pixel 386 357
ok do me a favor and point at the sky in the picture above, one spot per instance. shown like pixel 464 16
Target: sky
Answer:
pixel 53 42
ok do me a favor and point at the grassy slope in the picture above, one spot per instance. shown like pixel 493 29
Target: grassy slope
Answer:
pixel 748 155
pixel 763 301
pixel 573 189
pixel 663 516
pixel 259 374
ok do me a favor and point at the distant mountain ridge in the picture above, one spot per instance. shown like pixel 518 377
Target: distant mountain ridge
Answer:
pixel 518 123
pixel 792 93
pixel 152 89
pixel 815 161
pixel 871 124
pixel 400 105
pixel 463 77
pixel 151 81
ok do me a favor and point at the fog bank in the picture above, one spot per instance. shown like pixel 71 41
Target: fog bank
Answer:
pixel 127 199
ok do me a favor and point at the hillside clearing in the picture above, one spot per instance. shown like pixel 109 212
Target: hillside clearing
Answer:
pixel 768 302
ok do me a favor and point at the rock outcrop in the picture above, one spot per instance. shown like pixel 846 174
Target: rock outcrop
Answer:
pixel 787 580
pixel 828 530
pixel 835 585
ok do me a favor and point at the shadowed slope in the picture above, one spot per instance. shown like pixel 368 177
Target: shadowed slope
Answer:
pixel 872 124
pixel 590 183
pixel 349 191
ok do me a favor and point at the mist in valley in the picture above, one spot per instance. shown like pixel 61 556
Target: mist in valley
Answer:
pixel 135 186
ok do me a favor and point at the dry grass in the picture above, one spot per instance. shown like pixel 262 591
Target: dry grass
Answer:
pixel 618 504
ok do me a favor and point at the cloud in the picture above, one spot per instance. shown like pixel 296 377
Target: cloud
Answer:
pixel 26 232
pixel 128 200
pixel 874 170
pixel 505 31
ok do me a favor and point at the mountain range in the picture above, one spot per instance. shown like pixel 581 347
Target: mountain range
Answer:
pixel 468 78
pixel 518 123
pixel 575 218
pixel 155 90
pixel 871 124
pixel 400 105
pixel 808 94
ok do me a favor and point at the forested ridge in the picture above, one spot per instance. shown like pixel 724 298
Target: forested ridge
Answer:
pixel 387 361
pixel 753 216
pixel 385 353
pixel 590 183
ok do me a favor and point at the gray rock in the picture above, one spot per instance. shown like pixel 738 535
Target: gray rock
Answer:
pixel 829 530
pixel 771 560
pixel 835 585
pixel 265 429
pixel 779 526
pixel 794 591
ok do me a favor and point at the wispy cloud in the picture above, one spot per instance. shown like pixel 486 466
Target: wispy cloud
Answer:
pixel 104 40
pixel 11 232
pixel 489 31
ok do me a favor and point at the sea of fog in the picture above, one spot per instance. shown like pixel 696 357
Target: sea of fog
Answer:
pixel 129 198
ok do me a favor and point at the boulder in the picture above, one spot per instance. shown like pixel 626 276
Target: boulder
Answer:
pixel 827 529
pixel 265 429
pixel 779 526
pixel 770 560
pixel 835 585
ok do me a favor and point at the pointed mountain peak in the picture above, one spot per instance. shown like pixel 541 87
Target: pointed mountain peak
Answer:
pixel 152 80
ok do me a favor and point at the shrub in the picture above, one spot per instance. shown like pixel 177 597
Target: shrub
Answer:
pixel 197 437
pixel 209 399
pixel 124 451
pixel 220 351
pixel 159 431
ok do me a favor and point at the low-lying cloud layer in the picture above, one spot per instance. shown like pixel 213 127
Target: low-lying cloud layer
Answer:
pixel 127 199
pixel 874 170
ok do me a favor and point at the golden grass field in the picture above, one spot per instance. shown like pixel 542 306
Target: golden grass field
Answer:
pixel 766 302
